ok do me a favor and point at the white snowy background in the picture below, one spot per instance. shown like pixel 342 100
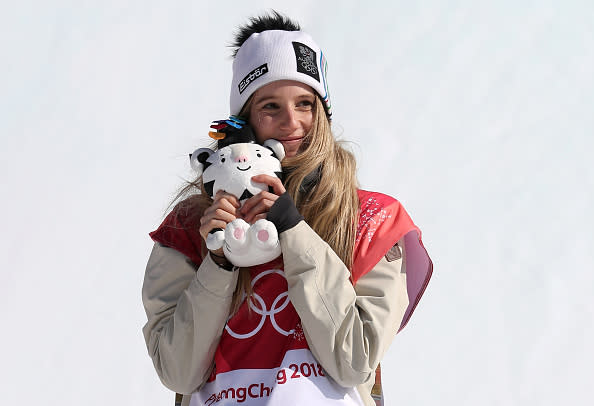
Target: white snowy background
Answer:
pixel 477 115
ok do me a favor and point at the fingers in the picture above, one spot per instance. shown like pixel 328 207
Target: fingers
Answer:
pixel 223 210
pixel 277 185
pixel 261 216
pixel 257 206
pixel 226 199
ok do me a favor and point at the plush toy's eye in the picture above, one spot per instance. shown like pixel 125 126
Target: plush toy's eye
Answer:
pixel 258 153
pixel 222 158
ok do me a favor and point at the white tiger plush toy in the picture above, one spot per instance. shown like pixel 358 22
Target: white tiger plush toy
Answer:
pixel 230 168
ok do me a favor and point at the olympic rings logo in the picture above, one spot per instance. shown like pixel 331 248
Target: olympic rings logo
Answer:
pixel 279 304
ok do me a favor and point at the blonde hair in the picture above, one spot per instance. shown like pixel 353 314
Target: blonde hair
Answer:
pixel 330 206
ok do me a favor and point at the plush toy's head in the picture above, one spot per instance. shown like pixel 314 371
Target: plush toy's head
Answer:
pixel 237 159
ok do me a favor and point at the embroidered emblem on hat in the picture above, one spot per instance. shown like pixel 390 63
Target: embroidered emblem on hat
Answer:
pixel 306 60
pixel 253 75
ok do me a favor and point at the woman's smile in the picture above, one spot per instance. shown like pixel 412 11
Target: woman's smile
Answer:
pixel 283 110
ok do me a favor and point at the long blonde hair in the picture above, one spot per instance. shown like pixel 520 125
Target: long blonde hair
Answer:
pixel 329 206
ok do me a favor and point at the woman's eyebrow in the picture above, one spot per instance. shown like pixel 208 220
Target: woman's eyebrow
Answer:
pixel 263 98
pixel 306 96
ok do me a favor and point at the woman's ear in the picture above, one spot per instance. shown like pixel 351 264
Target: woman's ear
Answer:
pixel 276 147
pixel 198 159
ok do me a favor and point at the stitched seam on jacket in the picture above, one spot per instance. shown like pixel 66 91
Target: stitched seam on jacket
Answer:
pixel 319 291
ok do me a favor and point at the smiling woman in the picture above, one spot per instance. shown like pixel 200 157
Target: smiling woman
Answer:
pixel 282 110
pixel 311 325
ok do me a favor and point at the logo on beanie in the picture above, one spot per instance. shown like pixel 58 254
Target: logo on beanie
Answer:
pixel 306 60
pixel 253 75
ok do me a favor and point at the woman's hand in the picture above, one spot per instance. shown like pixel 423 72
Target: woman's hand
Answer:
pixel 256 207
pixel 224 209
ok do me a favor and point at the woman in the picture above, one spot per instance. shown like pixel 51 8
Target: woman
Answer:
pixel 312 325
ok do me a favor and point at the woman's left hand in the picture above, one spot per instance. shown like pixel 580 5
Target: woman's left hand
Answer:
pixel 257 206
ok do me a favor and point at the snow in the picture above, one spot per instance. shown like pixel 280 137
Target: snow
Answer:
pixel 477 116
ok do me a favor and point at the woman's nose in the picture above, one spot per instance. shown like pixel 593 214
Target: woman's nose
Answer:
pixel 289 119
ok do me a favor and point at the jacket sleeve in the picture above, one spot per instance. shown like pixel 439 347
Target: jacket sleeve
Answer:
pixel 186 309
pixel 347 328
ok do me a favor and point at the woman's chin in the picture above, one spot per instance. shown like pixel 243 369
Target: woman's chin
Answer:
pixel 291 147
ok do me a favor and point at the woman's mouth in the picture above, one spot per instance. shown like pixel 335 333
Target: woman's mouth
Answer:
pixel 292 145
pixel 290 140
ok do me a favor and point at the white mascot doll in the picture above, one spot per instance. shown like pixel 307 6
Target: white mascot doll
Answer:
pixel 230 168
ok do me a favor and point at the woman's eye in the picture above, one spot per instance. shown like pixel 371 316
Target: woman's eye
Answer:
pixel 305 104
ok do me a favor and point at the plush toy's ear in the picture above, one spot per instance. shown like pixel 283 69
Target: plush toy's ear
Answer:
pixel 276 147
pixel 198 159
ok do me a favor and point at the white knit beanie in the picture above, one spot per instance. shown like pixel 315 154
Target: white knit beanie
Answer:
pixel 273 55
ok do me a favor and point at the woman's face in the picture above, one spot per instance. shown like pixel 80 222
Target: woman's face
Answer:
pixel 283 110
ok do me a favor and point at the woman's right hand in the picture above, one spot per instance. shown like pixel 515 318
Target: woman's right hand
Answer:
pixel 224 209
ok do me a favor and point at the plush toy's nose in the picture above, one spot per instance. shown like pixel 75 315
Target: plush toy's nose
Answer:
pixel 239 153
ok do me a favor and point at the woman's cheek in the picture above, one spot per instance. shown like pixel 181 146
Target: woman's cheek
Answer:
pixel 262 128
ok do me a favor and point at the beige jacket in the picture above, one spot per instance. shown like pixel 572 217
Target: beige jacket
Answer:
pixel 348 328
